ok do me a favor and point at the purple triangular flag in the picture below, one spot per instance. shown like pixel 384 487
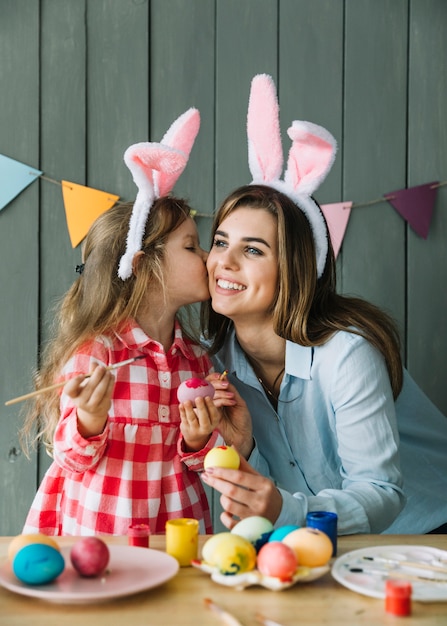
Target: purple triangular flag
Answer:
pixel 415 205
pixel 14 177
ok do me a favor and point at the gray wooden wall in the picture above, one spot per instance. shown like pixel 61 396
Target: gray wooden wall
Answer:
pixel 80 80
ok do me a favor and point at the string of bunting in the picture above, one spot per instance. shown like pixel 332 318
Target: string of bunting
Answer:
pixel 84 204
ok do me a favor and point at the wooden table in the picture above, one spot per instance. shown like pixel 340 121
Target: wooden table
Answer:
pixel 179 602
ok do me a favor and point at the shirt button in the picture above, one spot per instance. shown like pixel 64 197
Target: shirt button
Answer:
pixel 292 464
pixel 164 411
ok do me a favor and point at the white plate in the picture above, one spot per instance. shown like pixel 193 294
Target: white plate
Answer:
pixel 380 563
pixel 130 570
pixel 254 577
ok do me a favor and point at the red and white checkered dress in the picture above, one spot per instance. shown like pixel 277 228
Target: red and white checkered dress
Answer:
pixel 135 471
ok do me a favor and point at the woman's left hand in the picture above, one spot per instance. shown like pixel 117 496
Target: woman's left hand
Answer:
pixel 245 493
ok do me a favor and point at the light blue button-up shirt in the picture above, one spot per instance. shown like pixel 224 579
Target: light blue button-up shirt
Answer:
pixel 333 443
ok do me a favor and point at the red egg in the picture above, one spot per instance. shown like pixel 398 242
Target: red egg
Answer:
pixel 90 556
pixel 277 560
pixel 193 388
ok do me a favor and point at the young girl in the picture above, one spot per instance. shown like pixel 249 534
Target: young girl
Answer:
pixel 338 425
pixel 122 453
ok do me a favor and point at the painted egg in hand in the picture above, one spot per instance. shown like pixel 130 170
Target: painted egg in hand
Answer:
pixel 194 388
pixel 222 456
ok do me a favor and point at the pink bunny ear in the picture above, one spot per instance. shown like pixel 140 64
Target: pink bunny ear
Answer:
pixel 310 158
pixel 265 156
pixel 155 168
pixel 181 135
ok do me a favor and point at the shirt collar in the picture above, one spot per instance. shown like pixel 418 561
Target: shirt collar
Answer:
pixel 298 358
pixel 134 338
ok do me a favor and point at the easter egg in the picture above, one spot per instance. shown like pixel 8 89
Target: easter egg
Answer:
pixel 37 564
pixel 278 560
pixel 193 388
pixel 90 556
pixel 230 554
pixel 255 528
pixel 279 533
pixel 20 541
pixel 312 547
pixel 222 456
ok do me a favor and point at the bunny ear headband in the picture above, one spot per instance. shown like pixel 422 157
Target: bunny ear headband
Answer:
pixel 310 157
pixel 155 168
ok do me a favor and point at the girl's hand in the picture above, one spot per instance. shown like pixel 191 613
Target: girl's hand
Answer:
pixel 235 425
pixel 245 493
pixel 198 423
pixel 93 398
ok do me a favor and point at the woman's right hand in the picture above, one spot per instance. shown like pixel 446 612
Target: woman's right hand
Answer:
pixel 93 398
pixel 244 493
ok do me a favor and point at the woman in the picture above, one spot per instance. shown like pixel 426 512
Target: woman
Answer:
pixel 320 373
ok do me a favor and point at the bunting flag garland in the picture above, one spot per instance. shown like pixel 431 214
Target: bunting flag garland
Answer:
pixel 14 177
pixel 82 206
pixel 337 217
pixel 415 205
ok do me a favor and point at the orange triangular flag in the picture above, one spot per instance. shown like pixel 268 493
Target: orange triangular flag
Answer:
pixel 82 206
pixel 337 216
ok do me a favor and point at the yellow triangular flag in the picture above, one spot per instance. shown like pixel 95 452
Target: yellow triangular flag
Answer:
pixel 82 206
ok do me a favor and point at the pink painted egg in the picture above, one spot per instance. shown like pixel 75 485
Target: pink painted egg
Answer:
pixel 278 560
pixel 193 388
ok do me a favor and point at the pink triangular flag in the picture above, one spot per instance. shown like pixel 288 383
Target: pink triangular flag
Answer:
pixel 82 206
pixel 337 216
pixel 415 205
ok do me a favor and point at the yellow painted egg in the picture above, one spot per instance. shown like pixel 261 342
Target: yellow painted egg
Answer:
pixel 20 541
pixel 222 456
pixel 230 554
pixel 312 547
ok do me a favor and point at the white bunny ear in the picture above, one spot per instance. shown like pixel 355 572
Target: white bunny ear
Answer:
pixel 144 160
pixel 265 156
pixel 181 135
pixel 310 158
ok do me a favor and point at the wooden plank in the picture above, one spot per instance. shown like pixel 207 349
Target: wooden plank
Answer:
pixel 117 90
pixel 19 231
pixel 374 152
pixel 246 45
pixel 182 53
pixel 63 144
pixel 427 161
pixel 311 75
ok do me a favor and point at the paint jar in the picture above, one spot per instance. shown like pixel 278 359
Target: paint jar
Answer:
pixel 182 539
pixel 327 523
pixel 398 597
pixel 138 535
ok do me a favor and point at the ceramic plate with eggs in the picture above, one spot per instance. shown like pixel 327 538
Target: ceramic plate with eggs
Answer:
pixel 253 553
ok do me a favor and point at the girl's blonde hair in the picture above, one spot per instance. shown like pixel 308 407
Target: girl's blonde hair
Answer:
pixel 307 310
pixel 99 302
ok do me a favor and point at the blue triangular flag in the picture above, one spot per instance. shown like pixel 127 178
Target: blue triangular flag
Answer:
pixel 14 177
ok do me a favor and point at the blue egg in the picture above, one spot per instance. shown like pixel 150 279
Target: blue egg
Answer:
pixel 38 564
pixel 282 531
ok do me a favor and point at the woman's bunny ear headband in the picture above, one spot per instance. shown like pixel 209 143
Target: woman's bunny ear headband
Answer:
pixel 310 157
pixel 155 168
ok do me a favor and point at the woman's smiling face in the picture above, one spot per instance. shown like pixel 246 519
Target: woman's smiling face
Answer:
pixel 243 264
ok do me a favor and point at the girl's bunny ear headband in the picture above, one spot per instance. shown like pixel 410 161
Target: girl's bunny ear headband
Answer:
pixel 155 168
pixel 310 157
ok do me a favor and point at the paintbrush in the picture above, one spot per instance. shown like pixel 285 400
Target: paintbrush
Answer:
pixel 407 564
pixel 223 375
pixel 64 382
pixel 225 617
pixel 398 574
pixel 265 621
